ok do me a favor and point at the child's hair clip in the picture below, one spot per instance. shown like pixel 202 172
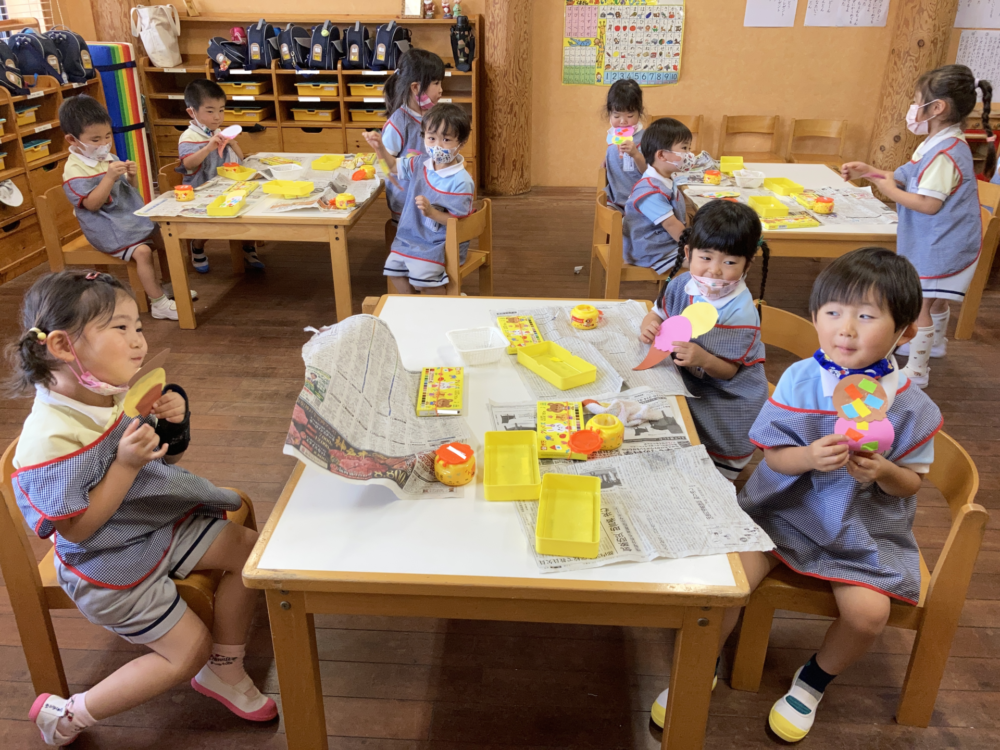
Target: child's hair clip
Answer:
pixel 991 139
pixel 93 275
pixel 40 335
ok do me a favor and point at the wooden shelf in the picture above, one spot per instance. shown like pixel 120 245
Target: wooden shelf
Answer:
pixel 303 124
pixel 78 86
pixel 309 99
pixel 8 173
pixel 47 160
pixel 29 130
pixel 238 19
pixel 11 137
pixel 247 125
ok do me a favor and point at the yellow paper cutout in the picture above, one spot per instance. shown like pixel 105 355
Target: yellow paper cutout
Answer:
pixel 863 426
pixel 859 406
pixel 703 317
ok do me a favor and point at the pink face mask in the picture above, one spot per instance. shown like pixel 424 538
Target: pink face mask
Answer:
pixel 424 102
pixel 715 288
pixel 913 125
pixel 89 381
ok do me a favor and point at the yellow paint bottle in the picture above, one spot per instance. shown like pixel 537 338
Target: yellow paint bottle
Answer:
pixel 454 464
pixel 611 430
pixel 584 317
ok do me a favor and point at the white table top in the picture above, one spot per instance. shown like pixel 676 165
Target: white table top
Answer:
pixel 811 177
pixel 332 525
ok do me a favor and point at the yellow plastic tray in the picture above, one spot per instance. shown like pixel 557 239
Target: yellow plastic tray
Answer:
pixel 327 162
pixel 248 88
pixel 767 207
pixel 33 150
pixel 511 471
pixel 317 88
pixel 302 114
pixel 247 114
pixel 569 516
pixel 215 208
pixel 729 164
pixel 27 115
pixel 368 115
pixel 288 188
pixel 782 186
pixel 236 173
pixel 556 365
pixel 366 89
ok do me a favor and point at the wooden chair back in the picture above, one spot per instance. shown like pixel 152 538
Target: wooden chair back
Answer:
pixel 693 123
pixel 748 125
pixel 787 331
pixel 168 177
pixel 602 180
pixel 991 238
pixel 954 473
pixel 989 196
pixel 607 224
pixel 477 224
pixel 832 130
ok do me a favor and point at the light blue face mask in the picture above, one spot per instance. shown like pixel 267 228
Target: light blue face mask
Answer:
pixel 442 155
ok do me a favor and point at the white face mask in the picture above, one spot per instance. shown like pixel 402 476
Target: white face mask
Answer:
pixel 912 124
pixel 715 288
pixel 442 155
pixel 687 160
pixel 97 153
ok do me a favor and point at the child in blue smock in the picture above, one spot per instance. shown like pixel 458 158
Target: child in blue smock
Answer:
pixel 413 89
pixel 438 187
pixel 623 163
pixel 937 199
pixel 724 368
pixel 126 520
pixel 654 211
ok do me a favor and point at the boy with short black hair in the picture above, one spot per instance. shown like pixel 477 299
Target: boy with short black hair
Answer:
pixel 105 196
pixel 437 189
pixel 199 150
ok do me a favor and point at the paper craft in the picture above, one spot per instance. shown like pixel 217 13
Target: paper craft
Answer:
pixel 693 321
pixel 876 438
pixel 619 136
pixel 556 421
pixel 703 317
pixel 440 391
pixel 712 195
pixel 146 387
pixel 859 401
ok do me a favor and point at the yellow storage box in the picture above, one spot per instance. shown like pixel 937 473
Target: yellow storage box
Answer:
pixel 245 88
pixel 27 115
pixel 36 149
pixel 366 89
pixel 288 188
pixel 368 115
pixel 782 186
pixel 248 113
pixel 238 172
pixel 569 516
pixel 227 204
pixel 767 207
pixel 511 471
pixel 729 164
pixel 3 164
pixel 318 88
pixel 305 114
pixel 327 162
pixel 560 367
pixel 3 125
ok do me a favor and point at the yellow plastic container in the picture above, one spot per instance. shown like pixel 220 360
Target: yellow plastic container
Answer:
pixel 245 88
pixel 235 201
pixel 823 205
pixel 288 188
pixel 3 164
pixel 782 186
pixel 511 468
pixel 368 115
pixel 27 115
pixel 304 114
pixel 451 468
pixel 238 172
pixel 328 162
pixel 247 114
pixel 556 365
pixel 184 193
pixel 767 207
pixel 318 88
pixel 569 516
pixel 35 150
pixel 584 317
pixel 712 177
pixel 366 89
pixel 611 430
pixel 729 164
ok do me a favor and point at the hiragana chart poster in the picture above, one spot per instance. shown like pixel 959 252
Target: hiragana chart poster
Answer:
pixel 607 40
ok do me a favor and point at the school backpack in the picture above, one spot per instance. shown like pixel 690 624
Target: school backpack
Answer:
pixel 391 41
pixel 11 78
pixel 357 47
pixel 263 45
pixel 324 47
pixel 226 56
pixel 293 44
pixel 37 55
pixel 75 54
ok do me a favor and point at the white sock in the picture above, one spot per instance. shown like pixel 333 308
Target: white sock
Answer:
pixel 940 327
pixel 227 662
pixel 920 352
pixel 77 716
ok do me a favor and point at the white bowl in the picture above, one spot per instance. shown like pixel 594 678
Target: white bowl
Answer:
pixel 748 178
pixel 286 171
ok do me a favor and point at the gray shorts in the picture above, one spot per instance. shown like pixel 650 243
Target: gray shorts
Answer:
pixel 147 611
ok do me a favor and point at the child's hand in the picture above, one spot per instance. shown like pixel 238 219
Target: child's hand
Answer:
pixel 650 327
pixel 423 205
pixel 829 453
pixel 131 168
pixel 689 354
pixel 884 182
pixel 170 407
pixel 116 169
pixel 628 147
pixel 853 170
pixel 217 141
pixel 139 445
pixel 867 467
pixel 374 138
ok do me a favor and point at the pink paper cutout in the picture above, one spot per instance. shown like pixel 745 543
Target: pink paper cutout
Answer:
pixel 676 328
pixel 881 432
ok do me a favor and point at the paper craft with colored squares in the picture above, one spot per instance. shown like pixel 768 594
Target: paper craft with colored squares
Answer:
pixel 694 320
pixel 861 403
pixel 619 136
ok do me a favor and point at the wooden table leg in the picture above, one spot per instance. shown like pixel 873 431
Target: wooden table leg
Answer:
pixel 341 272
pixel 695 650
pixel 236 255
pixel 178 276
pixel 297 662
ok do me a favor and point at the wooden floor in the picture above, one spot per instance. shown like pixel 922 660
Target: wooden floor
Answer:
pixel 393 684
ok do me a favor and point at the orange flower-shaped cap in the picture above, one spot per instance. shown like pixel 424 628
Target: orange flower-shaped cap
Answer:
pixel 585 441
pixel 454 453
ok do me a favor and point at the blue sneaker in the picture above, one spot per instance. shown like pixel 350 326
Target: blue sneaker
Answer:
pixel 251 259
pixel 199 260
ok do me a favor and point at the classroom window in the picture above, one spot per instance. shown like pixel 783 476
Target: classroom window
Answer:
pixel 40 9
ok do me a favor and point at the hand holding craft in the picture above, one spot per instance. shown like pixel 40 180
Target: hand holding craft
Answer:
pixel 693 321
pixel 861 403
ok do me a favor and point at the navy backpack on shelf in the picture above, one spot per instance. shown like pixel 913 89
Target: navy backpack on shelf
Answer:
pixel 11 78
pixel 293 44
pixel 391 41
pixel 357 47
pixel 262 40
pixel 226 56
pixel 37 55
pixel 324 47
pixel 75 54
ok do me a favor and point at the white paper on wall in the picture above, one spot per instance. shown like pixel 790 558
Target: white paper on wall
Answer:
pixel 978 14
pixel 770 13
pixel 847 12
pixel 980 50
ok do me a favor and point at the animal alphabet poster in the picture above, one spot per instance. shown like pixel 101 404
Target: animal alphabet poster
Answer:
pixel 608 40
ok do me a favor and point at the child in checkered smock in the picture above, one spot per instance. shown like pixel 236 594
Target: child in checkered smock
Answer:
pixel 126 519
pixel 843 516
pixel 724 368
pixel 623 162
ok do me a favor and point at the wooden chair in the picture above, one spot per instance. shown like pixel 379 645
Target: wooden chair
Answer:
pixel 989 196
pixel 991 237
pixel 168 177
pixel 67 246
pixel 34 591
pixel 477 224
pixel 786 331
pixel 750 125
pixel 833 130
pixel 607 253
pixel 693 123
pixel 602 180
pixel 935 618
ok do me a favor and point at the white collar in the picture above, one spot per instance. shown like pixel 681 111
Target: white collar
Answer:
pixel 890 382
pixel 455 168
pixel 652 174
pixel 87 160
pixel 692 288
pixel 199 128
pixel 952 131
pixel 100 415
pixel 419 116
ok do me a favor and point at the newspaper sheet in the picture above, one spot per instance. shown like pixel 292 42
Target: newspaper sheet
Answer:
pixel 664 431
pixel 166 205
pixel 356 414
pixel 667 504
pixel 851 205
pixel 616 339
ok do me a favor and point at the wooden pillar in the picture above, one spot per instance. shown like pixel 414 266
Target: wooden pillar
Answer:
pixel 111 19
pixel 920 36
pixel 506 140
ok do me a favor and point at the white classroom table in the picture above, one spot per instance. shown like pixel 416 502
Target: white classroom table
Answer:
pixel 824 241
pixel 333 547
